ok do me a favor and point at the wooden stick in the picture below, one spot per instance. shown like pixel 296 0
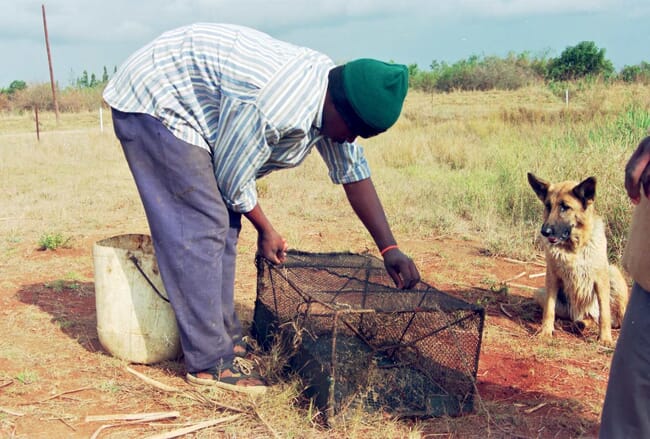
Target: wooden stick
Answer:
pixel 534 409
pixel 11 412
pixel 148 417
pixel 503 310
pixel 66 423
pixel 155 416
pixel 525 287
pixel 57 395
pixel 193 428
pixel 532 276
pixel 152 382
pixel 522 274
pixel 514 261
pixel 100 429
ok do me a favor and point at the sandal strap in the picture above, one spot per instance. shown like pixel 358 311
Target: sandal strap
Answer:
pixel 243 365
pixel 242 343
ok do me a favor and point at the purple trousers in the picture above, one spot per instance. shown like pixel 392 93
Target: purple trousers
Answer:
pixel 193 232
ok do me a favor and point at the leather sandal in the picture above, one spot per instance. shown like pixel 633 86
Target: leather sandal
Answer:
pixel 237 376
pixel 240 347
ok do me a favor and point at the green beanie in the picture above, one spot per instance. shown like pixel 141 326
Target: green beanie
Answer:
pixel 376 91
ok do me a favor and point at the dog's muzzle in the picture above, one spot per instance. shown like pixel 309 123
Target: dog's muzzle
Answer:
pixel 556 233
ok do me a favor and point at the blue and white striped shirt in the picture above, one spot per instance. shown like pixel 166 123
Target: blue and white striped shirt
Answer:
pixel 254 102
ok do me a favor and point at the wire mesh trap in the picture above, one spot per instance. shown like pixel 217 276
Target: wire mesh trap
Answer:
pixel 357 341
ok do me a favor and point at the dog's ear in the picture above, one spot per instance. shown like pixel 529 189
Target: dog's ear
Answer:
pixel 539 186
pixel 585 191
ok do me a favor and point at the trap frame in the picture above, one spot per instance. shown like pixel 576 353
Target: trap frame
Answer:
pixel 357 341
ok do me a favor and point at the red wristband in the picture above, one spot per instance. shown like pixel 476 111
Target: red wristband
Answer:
pixel 390 247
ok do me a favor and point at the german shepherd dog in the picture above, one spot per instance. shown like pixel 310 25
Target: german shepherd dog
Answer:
pixel 580 282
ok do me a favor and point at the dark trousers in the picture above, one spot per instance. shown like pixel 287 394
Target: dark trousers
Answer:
pixel 193 232
pixel 626 411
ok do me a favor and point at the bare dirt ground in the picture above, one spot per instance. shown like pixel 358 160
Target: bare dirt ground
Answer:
pixel 54 372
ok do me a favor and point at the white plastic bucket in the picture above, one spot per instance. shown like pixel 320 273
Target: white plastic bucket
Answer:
pixel 134 322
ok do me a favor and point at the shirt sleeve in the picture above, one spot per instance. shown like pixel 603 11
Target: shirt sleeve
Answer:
pixel 240 150
pixel 345 161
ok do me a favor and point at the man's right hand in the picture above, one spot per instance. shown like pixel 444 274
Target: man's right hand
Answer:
pixel 270 244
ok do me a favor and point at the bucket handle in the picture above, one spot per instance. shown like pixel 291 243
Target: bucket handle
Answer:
pixel 136 262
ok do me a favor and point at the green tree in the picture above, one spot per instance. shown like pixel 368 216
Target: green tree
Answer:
pixel 584 59
pixel 637 73
pixel 105 76
pixel 82 82
pixel 15 86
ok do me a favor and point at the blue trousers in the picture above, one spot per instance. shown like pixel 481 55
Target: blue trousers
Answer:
pixel 193 232
pixel 626 411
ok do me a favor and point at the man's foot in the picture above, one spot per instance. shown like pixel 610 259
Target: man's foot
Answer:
pixel 240 346
pixel 237 376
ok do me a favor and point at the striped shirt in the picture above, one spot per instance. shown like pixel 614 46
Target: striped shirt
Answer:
pixel 254 102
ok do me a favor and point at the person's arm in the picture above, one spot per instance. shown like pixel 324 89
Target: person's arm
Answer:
pixel 366 204
pixel 270 243
pixel 637 172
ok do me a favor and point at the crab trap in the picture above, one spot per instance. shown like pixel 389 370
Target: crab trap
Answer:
pixel 358 342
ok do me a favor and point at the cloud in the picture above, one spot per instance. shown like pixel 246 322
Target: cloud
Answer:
pixel 127 20
pixel 89 35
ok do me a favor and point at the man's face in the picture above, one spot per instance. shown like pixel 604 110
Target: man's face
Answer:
pixel 334 126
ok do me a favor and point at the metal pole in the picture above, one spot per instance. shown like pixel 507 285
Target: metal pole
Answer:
pixel 49 61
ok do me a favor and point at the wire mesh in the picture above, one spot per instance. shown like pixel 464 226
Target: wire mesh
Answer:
pixel 358 341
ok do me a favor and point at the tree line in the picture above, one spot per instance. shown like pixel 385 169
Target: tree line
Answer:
pixel 582 61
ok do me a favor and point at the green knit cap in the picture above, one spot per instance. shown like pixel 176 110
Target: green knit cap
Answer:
pixel 376 91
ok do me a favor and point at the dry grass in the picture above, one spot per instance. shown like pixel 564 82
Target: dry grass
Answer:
pixel 454 165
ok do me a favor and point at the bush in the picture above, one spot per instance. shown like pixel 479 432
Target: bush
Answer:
pixel 488 73
pixel 51 241
pixel 638 73
pixel 584 59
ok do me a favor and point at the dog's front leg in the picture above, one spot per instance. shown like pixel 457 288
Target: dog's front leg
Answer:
pixel 602 288
pixel 548 318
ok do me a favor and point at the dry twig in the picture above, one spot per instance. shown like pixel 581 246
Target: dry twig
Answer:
pixel 155 416
pixel 57 395
pixel 11 412
pixel 522 274
pixel 525 287
pixel 503 310
pixel 193 428
pixel 132 419
pixel 152 382
pixel 534 409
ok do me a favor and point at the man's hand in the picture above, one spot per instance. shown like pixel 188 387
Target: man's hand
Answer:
pixel 401 268
pixel 272 246
pixel 637 172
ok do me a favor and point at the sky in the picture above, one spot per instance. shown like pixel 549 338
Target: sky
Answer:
pixel 90 35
